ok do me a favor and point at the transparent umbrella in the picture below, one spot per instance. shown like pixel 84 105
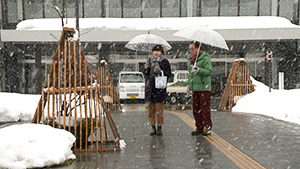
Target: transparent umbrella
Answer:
pixel 145 42
pixel 202 35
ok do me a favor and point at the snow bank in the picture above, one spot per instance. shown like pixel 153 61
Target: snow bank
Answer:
pixel 15 107
pixel 280 104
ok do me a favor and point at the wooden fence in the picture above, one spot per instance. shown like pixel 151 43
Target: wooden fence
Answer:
pixel 238 85
pixel 71 100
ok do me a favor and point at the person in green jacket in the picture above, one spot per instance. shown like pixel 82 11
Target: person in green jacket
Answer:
pixel 200 70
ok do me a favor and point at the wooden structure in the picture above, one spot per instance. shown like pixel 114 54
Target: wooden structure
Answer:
pixel 238 85
pixel 71 100
pixel 107 90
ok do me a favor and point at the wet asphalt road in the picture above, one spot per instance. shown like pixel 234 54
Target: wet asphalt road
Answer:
pixel 269 142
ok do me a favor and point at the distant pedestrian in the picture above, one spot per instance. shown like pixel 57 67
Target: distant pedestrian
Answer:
pixel 200 70
pixel 153 96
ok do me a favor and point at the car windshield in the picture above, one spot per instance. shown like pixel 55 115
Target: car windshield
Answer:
pixel 132 78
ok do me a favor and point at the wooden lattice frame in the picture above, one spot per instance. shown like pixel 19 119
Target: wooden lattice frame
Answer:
pixel 238 85
pixel 107 89
pixel 69 86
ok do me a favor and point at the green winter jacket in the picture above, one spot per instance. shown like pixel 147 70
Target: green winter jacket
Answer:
pixel 200 81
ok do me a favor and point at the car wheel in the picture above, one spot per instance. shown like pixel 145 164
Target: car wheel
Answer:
pixel 173 99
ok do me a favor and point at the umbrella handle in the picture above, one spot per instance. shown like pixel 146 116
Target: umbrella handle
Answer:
pixel 197 54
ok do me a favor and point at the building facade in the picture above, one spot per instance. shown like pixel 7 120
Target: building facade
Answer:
pixel 24 65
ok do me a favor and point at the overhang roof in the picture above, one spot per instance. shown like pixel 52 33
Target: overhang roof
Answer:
pixel 124 29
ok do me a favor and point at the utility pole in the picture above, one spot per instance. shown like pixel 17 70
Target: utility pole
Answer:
pixel 269 55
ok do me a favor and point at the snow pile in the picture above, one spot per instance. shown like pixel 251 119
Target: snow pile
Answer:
pixel 280 104
pixel 34 145
pixel 15 107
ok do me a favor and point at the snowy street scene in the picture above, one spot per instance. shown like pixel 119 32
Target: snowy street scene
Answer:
pixel 149 84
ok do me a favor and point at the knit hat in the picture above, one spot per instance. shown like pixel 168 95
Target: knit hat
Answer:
pixel 158 48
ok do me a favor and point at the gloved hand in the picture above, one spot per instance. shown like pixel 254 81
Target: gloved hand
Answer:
pixel 157 69
pixel 195 69
pixel 147 65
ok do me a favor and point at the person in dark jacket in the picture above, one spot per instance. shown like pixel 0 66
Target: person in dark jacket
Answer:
pixel 200 70
pixel 156 97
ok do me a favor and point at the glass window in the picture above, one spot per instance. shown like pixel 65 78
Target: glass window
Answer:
pixel 131 78
pixel 183 8
pixel 151 8
pixel 51 12
pixel 265 8
pixel 287 9
pixel 132 9
pixel 170 8
pixel 248 7
pixel 12 11
pixel 33 9
pixel 1 15
pixel 114 8
pixel 70 9
pixel 209 7
pixel 92 8
pixel 192 8
pixel 228 8
pixel 182 76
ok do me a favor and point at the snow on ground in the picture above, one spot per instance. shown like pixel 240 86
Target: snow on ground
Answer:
pixel 280 104
pixel 34 145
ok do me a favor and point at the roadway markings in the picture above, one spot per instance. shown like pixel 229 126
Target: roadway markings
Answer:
pixel 239 158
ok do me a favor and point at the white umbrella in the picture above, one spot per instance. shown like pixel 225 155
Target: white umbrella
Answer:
pixel 202 35
pixel 145 42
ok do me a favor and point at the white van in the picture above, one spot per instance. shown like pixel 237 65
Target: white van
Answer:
pixel 131 85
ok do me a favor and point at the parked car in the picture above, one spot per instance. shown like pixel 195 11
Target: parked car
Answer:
pixel 131 85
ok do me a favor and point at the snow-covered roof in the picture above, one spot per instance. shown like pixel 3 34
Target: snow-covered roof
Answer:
pixel 124 29
pixel 159 23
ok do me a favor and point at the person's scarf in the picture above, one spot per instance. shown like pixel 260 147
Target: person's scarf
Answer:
pixel 155 62
pixel 193 59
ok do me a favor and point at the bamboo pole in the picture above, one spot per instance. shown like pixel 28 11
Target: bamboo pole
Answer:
pixel 59 87
pixel 38 115
pixel 53 95
pixel 91 110
pixel 48 99
pixel 99 107
pixel 75 86
pixel 86 98
pixel 101 125
pixel 65 82
pixel 70 84
pixel 80 93
pixel 96 117
pixel 43 95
